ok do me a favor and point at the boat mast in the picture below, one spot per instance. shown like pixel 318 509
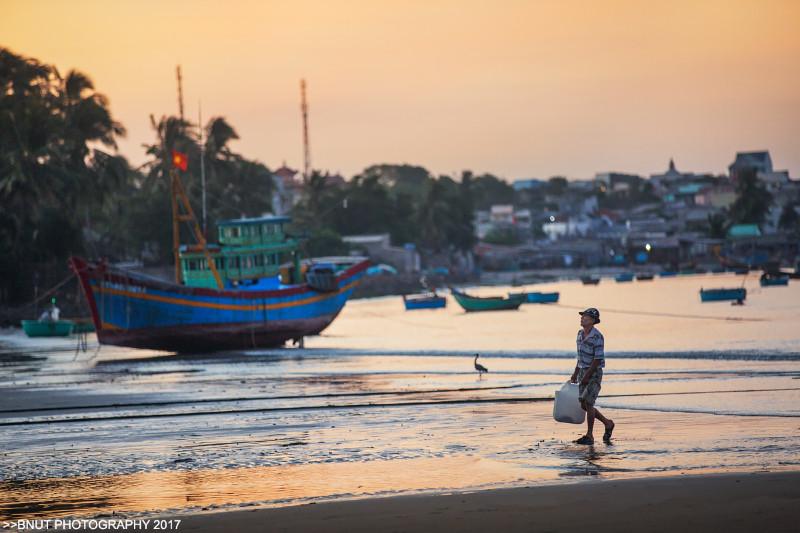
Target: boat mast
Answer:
pixel 180 200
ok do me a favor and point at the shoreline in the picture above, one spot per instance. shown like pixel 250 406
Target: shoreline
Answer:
pixel 728 502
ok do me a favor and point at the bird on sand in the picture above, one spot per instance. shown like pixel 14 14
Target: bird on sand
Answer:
pixel 479 367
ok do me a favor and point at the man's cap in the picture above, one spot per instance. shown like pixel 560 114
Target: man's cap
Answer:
pixel 592 312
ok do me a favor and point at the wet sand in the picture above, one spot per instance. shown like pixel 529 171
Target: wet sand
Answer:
pixel 726 503
pixel 386 408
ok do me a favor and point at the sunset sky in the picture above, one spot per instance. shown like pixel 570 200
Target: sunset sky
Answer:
pixel 516 88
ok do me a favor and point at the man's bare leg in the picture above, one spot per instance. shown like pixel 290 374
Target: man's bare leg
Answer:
pixel 607 422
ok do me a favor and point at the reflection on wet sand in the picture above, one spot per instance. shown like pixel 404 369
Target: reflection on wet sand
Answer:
pixel 150 491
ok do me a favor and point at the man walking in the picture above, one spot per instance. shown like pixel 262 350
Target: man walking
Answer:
pixel 589 373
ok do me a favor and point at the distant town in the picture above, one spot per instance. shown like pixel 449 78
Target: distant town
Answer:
pixel 673 219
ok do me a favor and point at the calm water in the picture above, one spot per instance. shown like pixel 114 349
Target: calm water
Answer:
pixel 386 401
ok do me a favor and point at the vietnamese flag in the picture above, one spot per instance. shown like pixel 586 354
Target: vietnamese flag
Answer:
pixel 180 160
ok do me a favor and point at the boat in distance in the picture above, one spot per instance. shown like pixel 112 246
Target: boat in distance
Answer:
pixel 429 300
pixel 538 297
pixel 738 294
pixel 492 303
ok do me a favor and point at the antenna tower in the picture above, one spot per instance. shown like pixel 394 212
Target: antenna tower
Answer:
pixel 306 147
pixel 180 91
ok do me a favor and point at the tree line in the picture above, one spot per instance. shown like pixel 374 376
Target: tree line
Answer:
pixel 65 189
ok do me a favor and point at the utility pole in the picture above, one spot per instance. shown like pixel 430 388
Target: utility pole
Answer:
pixel 306 147
pixel 180 92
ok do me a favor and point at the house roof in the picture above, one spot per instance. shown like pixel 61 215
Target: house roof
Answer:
pixel 752 159
pixel 269 219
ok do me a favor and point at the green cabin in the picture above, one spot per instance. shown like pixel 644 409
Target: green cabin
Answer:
pixel 250 253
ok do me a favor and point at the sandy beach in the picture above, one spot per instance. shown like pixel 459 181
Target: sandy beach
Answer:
pixel 382 423
pixel 726 503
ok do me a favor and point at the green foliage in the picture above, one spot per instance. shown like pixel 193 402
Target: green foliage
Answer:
pixel 557 185
pixel 506 236
pixel 325 242
pixel 752 200
pixel 53 169
pixel 489 190
pixel 790 220
pixel 717 226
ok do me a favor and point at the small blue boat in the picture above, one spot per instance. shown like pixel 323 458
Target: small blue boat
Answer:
pixel 429 300
pixel 624 277
pixel 537 297
pixel 721 295
pixel 667 274
pixel 774 279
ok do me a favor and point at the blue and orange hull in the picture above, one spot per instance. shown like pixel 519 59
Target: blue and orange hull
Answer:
pixel 141 312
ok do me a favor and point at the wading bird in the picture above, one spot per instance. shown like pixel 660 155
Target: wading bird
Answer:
pixel 479 367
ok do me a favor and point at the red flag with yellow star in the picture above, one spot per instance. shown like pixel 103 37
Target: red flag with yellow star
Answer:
pixel 180 160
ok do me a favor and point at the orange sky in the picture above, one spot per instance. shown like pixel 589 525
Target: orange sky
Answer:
pixel 520 89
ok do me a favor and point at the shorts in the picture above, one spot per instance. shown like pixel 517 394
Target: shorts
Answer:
pixel 590 391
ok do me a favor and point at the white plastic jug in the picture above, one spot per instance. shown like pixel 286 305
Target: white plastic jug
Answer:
pixel 566 407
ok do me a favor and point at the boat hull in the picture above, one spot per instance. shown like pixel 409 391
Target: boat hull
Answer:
pixel 721 295
pixel 45 328
pixel 138 312
pixel 432 302
pixel 475 304
pixel 774 281
pixel 538 297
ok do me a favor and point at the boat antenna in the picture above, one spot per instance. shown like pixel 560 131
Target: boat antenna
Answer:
pixel 202 164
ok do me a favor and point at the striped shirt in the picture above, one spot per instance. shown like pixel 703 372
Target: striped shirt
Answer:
pixel 590 348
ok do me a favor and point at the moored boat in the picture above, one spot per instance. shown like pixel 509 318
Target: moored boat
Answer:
pixel 136 311
pixel 590 280
pixel 644 277
pixel 537 297
pixel 250 290
pixel 720 295
pixel 774 279
pixel 624 277
pixel 492 303
pixel 48 328
pixel 424 301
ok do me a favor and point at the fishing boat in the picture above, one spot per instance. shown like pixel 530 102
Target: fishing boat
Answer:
pixel 590 280
pixel 667 274
pixel 644 277
pixel 492 303
pixel 774 279
pixel 538 297
pixel 260 301
pixel 48 328
pixel 719 295
pixel 248 291
pixel 624 277
pixel 429 300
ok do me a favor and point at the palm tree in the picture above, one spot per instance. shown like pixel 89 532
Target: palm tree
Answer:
pixel 172 133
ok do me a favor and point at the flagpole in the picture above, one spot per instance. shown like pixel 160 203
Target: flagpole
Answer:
pixel 202 164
